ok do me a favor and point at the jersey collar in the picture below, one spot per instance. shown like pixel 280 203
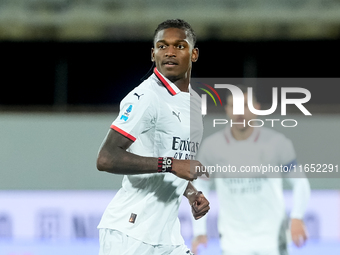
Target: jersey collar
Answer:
pixel 172 88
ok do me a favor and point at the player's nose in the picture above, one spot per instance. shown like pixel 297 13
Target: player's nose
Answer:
pixel 170 52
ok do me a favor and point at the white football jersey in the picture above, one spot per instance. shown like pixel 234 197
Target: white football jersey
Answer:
pixel 251 210
pixel 157 116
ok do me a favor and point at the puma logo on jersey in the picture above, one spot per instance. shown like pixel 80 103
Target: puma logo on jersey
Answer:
pixel 138 95
pixel 177 115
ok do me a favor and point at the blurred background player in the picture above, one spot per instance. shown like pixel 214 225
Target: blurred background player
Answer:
pixel 252 219
pixel 143 216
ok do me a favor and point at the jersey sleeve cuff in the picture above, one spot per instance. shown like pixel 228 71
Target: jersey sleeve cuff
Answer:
pixel 127 135
pixel 295 215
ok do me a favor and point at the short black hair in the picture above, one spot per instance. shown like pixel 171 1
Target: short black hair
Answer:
pixel 177 23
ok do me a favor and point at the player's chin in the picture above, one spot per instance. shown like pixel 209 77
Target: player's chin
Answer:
pixel 171 72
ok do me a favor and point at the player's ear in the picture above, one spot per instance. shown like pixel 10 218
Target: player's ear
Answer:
pixel 194 55
pixel 226 109
pixel 257 106
pixel 152 55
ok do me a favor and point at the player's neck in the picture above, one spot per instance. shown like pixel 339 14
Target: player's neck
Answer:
pixel 241 134
pixel 182 83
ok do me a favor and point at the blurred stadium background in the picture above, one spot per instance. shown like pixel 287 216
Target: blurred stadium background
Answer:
pixel 66 64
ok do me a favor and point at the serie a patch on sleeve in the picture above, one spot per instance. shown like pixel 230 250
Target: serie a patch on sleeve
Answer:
pixel 126 114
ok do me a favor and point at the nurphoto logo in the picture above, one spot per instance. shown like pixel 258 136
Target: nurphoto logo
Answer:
pixel 239 103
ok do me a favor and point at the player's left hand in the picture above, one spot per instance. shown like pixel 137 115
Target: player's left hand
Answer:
pixel 199 205
pixel 298 232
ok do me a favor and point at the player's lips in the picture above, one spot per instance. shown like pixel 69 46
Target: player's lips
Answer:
pixel 170 63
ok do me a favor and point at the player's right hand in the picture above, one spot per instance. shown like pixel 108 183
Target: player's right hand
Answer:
pixel 188 169
pixel 198 240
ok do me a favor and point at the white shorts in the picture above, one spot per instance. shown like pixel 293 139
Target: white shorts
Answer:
pixel 114 242
pixel 273 252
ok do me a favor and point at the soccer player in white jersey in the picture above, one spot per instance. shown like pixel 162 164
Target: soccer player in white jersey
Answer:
pixel 152 145
pixel 251 219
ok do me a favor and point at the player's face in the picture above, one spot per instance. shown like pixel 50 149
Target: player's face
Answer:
pixel 248 115
pixel 173 54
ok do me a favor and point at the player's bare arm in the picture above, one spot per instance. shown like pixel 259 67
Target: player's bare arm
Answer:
pixel 198 202
pixel 114 158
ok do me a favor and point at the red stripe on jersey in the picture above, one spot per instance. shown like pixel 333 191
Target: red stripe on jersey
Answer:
pixel 132 138
pixel 226 137
pixel 257 137
pixel 165 83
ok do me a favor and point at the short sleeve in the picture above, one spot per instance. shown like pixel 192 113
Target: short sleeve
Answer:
pixel 286 152
pixel 137 113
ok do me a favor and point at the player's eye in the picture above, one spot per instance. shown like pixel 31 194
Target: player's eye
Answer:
pixel 161 46
pixel 180 46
